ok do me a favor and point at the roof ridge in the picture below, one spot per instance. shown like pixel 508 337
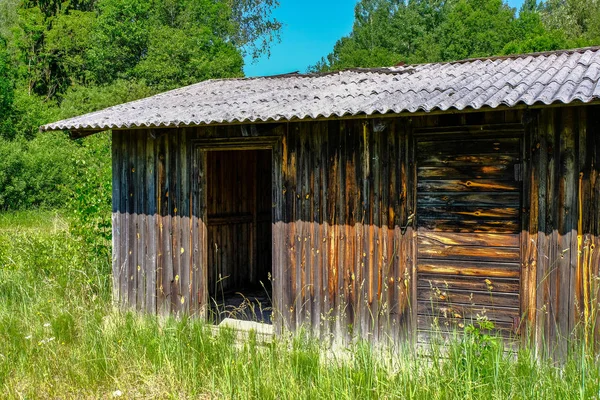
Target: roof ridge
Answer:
pixel 580 50
pixel 410 68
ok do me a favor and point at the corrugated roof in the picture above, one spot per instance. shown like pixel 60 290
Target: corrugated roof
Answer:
pixel 542 78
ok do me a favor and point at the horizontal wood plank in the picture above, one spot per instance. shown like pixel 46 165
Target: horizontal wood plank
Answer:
pixel 494 199
pixel 484 299
pixel 472 146
pixel 468 283
pixel 481 253
pixel 469 225
pixel 468 185
pixel 483 171
pixel 466 160
pixel 466 212
pixel 430 238
pixel 470 268
pixel 493 313
pixel 491 130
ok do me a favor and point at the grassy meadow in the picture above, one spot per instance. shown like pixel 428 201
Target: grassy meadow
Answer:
pixel 60 337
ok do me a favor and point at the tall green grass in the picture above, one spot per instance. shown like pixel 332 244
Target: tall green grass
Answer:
pixel 60 337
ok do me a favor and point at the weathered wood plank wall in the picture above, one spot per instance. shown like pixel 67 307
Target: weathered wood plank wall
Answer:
pixel 562 252
pixel 347 263
pixel 159 217
pixel 469 224
pixel 344 215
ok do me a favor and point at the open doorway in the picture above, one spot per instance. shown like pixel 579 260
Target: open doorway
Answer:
pixel 239 212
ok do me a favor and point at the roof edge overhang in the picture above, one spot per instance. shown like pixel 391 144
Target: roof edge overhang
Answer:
pixel 81 133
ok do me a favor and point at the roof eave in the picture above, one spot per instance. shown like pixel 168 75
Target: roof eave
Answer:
pixel 76 133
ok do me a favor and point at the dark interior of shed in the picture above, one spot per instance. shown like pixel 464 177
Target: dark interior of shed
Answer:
pixel 239 210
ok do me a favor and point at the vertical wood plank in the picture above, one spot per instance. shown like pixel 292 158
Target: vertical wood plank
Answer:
pixel 184 213
pixel 124 226
pixel 131 221
pixel 541 158
pixel 567 213
pixel 139 173
pixel 164 263
pixel 116 147
pixel 315 248
pixel 202 242
pixel 278 236
pixel 151 226
pixel 531 197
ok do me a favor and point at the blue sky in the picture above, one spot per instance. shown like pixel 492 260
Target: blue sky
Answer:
pixel 311 28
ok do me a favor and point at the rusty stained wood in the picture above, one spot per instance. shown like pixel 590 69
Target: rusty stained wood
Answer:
pixel 341 257
pixel 478 230
pixel 344 247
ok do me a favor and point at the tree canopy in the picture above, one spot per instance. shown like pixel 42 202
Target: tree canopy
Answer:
pixel 387 32
pixel 164 43
pixel 60 58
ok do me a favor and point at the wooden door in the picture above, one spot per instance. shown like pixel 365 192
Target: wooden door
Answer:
pixel 238 219
pixel 469 193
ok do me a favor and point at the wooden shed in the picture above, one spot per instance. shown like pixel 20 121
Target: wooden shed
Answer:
pixel 378 203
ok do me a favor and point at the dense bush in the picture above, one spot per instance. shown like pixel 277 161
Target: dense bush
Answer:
pixel 89 206
pixel 38 173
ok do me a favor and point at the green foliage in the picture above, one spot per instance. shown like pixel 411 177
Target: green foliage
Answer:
pixel 29 112
pixel 162 43
pixel 386 32
pixel 477 349
pixel 11 167
pixel 80 99
pixel 474 28
pixel 6 91
pixel 31 176
pixel 577 19
pixel 165 44
pixel 64 58
pixel 91 202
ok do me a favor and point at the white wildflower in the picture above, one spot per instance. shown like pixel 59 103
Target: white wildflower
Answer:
pixel 117 393
pixel 28 337
pixel 45 341
pixel 47 324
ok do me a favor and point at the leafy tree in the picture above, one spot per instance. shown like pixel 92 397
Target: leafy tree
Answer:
pixel 579 20
pixel 81 99
pixel 185 42
pixel 6 92
pixel 253 30
pixel 531 34
pixel 37 173
pixel 165 43
pixel 386 32
pixel 8 16
pixel 66 57
pixel 474 28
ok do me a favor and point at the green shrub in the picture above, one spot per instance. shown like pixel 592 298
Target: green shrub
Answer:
pixel 90 205
pixel 39 173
